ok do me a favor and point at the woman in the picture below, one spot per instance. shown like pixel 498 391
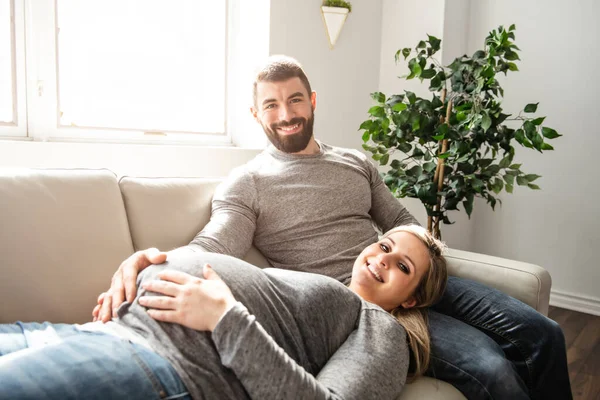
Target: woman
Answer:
pixel 242 332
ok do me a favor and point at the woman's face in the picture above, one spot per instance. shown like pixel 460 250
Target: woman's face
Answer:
pixel 387 273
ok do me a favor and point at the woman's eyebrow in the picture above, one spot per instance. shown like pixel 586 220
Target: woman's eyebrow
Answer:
pixel 405 255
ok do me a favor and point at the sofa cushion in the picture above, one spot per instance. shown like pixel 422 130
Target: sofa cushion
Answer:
pixel 63 234
pixel 167 213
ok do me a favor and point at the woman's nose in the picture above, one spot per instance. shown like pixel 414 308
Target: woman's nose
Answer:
pixel 383 261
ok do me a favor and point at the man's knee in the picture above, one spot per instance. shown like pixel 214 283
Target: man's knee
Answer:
pixel 488 375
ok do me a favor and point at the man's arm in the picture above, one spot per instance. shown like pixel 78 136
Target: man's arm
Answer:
pixel 387 212
pixel 230 231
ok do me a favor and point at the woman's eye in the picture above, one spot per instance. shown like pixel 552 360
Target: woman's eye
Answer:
pixel 384 247
pixel 404 268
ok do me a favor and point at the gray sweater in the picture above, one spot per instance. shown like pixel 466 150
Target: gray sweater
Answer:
pixel 293 335
pixel 310 213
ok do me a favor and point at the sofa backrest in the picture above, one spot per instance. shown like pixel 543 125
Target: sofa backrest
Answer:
pixel 167 213
pixel 63 233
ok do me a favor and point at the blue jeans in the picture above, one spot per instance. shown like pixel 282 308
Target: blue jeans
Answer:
pixel 492 346
pixel 58 361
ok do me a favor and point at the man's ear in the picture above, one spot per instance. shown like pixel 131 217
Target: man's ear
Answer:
pixel 313 100
pixel 254 113
pixel 409 303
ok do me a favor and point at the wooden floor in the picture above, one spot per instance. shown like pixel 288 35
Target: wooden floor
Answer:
pixel 582 336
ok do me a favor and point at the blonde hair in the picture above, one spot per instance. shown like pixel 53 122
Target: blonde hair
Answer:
pixel 428 292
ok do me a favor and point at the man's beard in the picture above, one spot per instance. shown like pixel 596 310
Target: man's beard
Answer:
pixel 295 142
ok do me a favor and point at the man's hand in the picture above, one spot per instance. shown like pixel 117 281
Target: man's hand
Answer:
pixel 189 301
pixel 123 285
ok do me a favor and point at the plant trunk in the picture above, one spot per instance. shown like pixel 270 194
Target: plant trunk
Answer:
pixel 433 223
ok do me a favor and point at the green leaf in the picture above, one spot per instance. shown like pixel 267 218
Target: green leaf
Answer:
pixel 415 69
pixel 505 162
pixel 404 147
pixel 399 107
pixel 512 27
pixel 434 42
pixel 486 122
pixel 468 203
pixel 531 108
pixel 538 121
pixel 444 155
pixel 384 159
pixel 521 181
pixel 479 54
pixel 550 133
pixel 512 66
pixel 411 97
pixel 429 166
pixel 546 146
pixel 366 125
pixel 461 116
pixel 438 137
pixel 377 111
pixel 421 45
pixel 497 186
pixel 532 177
pixel 533 186
pixel 378 97
pixel 415 121
pixel 511 55
pixel 515 166
pixel 428 73
pixel 366 136
pixel 509 179
pixel 406 52
pixel 509 188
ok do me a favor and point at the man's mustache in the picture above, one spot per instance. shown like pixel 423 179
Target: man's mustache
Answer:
pixel 293 121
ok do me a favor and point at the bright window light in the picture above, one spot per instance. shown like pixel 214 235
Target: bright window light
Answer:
pixel 7 57
pixel 151 65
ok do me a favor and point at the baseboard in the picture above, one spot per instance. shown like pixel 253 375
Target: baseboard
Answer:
pixel 585 304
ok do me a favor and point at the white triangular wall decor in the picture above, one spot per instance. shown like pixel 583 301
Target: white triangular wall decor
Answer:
pixel 334 18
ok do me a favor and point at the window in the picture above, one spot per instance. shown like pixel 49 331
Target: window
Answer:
pixel 12 77
pixel 128 70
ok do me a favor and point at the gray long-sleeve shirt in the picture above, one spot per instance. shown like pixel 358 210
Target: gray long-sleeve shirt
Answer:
pixel 296 336
pixel 312 213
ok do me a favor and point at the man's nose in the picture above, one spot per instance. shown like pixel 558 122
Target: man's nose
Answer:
pixel 285 113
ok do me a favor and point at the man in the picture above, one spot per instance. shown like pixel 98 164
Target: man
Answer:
pixel 311 207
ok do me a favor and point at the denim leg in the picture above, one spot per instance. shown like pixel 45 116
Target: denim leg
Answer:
pixel 19 336
pixel 533 343
pixel 86 365
pixel 471 361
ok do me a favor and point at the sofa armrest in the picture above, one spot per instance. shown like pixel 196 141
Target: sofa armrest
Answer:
pixel 529 283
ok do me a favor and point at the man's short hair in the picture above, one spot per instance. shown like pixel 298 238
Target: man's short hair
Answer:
pixel 278 69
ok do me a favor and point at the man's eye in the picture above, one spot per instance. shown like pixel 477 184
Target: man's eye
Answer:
pixel 296 100
pixel 404 268
pixel 384 247
pixel 269 106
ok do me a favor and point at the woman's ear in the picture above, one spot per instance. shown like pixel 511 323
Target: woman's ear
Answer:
pixel 409 303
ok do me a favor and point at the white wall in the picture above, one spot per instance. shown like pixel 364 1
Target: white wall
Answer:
pixel 344 76
pixel 404 24
pixel 556 227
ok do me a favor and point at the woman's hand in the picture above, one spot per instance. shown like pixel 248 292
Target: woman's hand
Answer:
pixel 188 300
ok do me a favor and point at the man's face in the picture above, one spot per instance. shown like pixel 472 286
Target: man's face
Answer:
pixel 285 110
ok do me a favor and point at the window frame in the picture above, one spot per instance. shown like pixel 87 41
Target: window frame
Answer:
pixel 17 129
pixel 35 36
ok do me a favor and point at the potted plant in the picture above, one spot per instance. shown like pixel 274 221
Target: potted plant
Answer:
pixel 458 145
pixel 334 14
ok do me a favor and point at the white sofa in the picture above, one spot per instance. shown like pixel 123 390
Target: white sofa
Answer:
pixel 64 232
